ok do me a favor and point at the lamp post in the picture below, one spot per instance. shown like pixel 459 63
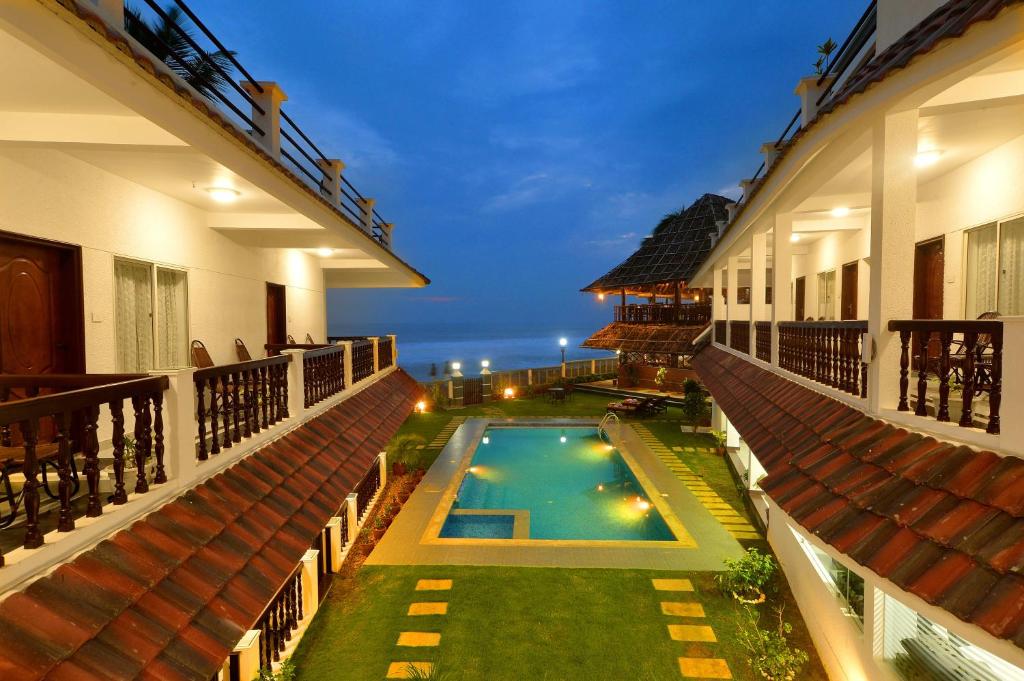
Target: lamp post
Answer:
pixel 563 342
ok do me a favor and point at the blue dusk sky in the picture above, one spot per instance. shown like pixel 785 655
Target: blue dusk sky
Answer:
pixel 524 148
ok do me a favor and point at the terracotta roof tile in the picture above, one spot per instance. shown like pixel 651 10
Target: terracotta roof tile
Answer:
pixel 939 520
pixel 169 597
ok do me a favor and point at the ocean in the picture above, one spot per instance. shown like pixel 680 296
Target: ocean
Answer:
pixel 423 345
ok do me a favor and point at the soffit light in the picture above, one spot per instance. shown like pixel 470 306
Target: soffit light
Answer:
pixel 222 194
pixel 840 212
pixel 325 252
pixel 794 237
pixel 927 158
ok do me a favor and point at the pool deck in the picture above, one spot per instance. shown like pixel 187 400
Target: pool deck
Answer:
pixel 411 539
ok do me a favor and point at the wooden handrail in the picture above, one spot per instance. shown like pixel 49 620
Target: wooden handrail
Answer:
pixel 222 369
pixel 324 351
pixel 950 325
pixel 73 400
pixel 59 381
pixel 826 324
pixel 276 348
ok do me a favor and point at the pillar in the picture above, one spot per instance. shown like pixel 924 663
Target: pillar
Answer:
pixel 331 182
pixel 717 302
pixel 382 461
pixel 180 426
pixel 388 228
pixel 455 389
pixel 732 284
pixel 310 584
pixel 809 92
pixel 352 512
pixel 893 227
pixel 334 528
pixel 247 656
pixel 758 275
pixel 376 360
pixel 346 362
pixel 366 208
pixel 782 266
pixel 394 349
pixel 268 96
pixel 296 385
pixel 485 380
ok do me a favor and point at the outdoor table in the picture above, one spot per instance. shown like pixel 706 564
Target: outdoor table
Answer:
pixel 556 394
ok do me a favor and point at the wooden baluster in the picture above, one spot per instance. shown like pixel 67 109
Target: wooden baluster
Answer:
pixel 833 338
pixel 91 449
pixel 117 442
pixel 30 490
pixel 945 339
pixel 141 405
pixel 307 382
pixel 282 370
pixel 995 397
pixel 160 475
pixel 201 418
pixel 65 521
pixel 264 394
pixel 970 347
pixel 272 393
pixel 227 406
pixel 286 612
pixel 298 584
pixel 275 636
pixel 904 370
pixel 863 379
pixel 922 373
pixel 214 412
pixel 846 379
pixel 236 406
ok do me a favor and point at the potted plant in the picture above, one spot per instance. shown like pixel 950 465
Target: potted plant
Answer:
pixel 404 490
pixel 378 528
pixel 745 578
pixel 400 450
pixel 769 653
pixel 719 437
pixel 659 379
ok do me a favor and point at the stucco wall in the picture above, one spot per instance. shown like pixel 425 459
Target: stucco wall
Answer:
pixel 52 195
pixel 831 252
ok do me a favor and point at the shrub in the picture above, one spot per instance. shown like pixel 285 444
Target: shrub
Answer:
pixel 285 673
pixel 747 577
pixel 402 449
pixel 691 386
pixel 770 654
pixel 695 408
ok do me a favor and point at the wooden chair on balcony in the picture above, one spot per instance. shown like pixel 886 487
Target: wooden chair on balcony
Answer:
pixel 242 351
pixel 982 358
pixel 12 461
pixel 291 339
pixel 200 355
pixel 309 340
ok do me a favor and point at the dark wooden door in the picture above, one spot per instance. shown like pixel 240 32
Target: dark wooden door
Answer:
pixel 277 315
pixel 848 300
pixel 799 291
pixel 41 319
pixel 472 391
pixel 929 262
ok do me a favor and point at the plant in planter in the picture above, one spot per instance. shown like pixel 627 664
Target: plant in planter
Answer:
pixel 770 654
pixel 379 527
pixel 745 578
pixel 695 405
pixel 719 437
pixel 401 450
pixel 286 672
pixel 659 378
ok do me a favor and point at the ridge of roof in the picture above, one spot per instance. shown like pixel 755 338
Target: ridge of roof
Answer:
pixel 941 521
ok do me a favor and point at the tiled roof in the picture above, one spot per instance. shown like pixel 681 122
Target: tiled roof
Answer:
pixel 673 251
pixel 941 521
pixel 170 597
pixel 672 339
pixel 87 13
pixel 948 22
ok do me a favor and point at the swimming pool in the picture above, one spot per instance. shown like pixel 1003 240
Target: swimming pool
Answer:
pixel 561 483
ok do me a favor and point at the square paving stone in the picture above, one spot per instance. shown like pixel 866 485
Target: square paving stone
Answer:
pixel 692 632
pixel 672 584
pixel 400 670
pixel 418 639
pixel 682 609
pixel 704 668
pixel 434 585
pixel 428 609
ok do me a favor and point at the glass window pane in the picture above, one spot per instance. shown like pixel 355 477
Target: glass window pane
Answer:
pixel 133 302
pixel 1011 267
pixel 172 316
pixel 981 271
pixel 827 295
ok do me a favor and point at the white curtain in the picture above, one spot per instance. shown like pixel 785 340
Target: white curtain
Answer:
pixel 981 271
pixel 827 295
pixel 1011 267
pixel 172 316
pixel 133 300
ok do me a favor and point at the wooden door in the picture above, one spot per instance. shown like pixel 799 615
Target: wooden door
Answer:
pixel 929 262
pixel 41 319
pixel 277 315
pixel 799 291
pixel 848 300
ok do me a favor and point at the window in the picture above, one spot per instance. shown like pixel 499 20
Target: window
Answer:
pixel 151 316
pixel 827 295
pixel 995 269
pixel 847 585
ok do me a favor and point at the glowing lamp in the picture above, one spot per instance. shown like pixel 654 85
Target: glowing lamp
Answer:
pixel 794 237
pixel 456 366
pixel 485 363
pixel 222 194
pixel 643 504
pixel 473 469
pixel 927 158
pixel 325 252
pixel 562 439
pixel 421 407
pixel 509 393
pixel 486 441
pixel 600 488
pixel 600 296
pixel 840 212
pixel 563 341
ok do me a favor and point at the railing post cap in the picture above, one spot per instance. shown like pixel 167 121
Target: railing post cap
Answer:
pixel 330 164
pixel 367 201
pixel 810 83
pixel 270 89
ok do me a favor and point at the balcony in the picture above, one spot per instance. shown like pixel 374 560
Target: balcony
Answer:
pixel 87 454
pixel 664 313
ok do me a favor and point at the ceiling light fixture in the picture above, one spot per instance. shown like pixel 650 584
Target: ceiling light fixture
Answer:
pixel 222 194
pixel 325 252
pixel 840 212
pixel 927 158
pixel 794 237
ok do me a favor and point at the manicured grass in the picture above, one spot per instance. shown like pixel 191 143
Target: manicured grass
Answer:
pixel 509 624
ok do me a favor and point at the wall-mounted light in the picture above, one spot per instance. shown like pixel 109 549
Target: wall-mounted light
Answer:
pixel 600 296
pixel 840 212
pixel 325 252
pixel 223 194
pixel 794 237
pixel 927 158
pixel 510 393
pixel 421 407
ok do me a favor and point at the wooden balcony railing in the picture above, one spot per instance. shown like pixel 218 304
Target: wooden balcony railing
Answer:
pixel 385 354
pixel 367 489
pixel 237 400
pixel 826 352
pixel 720 327
pixel 362 360
pixel 763 341
pixel 699 313
pixel 968 351
pixel 280 619
pixel 277 348
pixel 323 371
pixel 739 336
pixel 38 432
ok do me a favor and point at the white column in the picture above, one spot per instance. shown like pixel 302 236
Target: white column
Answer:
pixel 310 585
pixel 893 223
pixel 376 360
pixel 717 303
pixel 332 168
pixel 248 652
pixel 269 121
pixel 180 426
pixel 389 230
pixel 334 527
pixel 758 274
pixel 351 510
pixel 382 461
pixel 731 305
pixel 809 92
pixel 296 385
pixel 782 266
pixel 394 349
pixel 347 362
pixel 366 206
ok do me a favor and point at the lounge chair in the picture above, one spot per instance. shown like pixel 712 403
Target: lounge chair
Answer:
pixel 242 351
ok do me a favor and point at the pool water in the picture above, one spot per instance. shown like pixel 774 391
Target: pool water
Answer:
pixel 572 483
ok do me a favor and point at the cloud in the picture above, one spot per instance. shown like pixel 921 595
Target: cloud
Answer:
pixel 531 69
pixel 435 299
pixel 536 188
pixel 730 191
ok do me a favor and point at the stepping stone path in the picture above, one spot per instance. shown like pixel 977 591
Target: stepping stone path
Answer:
pixel 421 639
pixel 449 429
pixel 724 513
pixel 694 631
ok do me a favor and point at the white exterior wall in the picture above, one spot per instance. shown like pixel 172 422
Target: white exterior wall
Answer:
pixel 51 195
pixel 831 252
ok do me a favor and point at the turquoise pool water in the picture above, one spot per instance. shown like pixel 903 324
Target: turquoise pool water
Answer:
pixel 574 485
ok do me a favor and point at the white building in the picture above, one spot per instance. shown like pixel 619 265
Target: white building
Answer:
pixel 874 419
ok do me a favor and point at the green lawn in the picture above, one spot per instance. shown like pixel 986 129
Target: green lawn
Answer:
pixel 510 624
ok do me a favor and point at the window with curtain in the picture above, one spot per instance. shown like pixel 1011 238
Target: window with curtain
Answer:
pixel 151 317
pixel 827 295
pixel 995 269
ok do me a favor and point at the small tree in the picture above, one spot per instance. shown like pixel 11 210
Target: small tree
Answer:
pixel 659 378
pixel 825 51
pixel 695 405
pixel 747 577
pixel 770 654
